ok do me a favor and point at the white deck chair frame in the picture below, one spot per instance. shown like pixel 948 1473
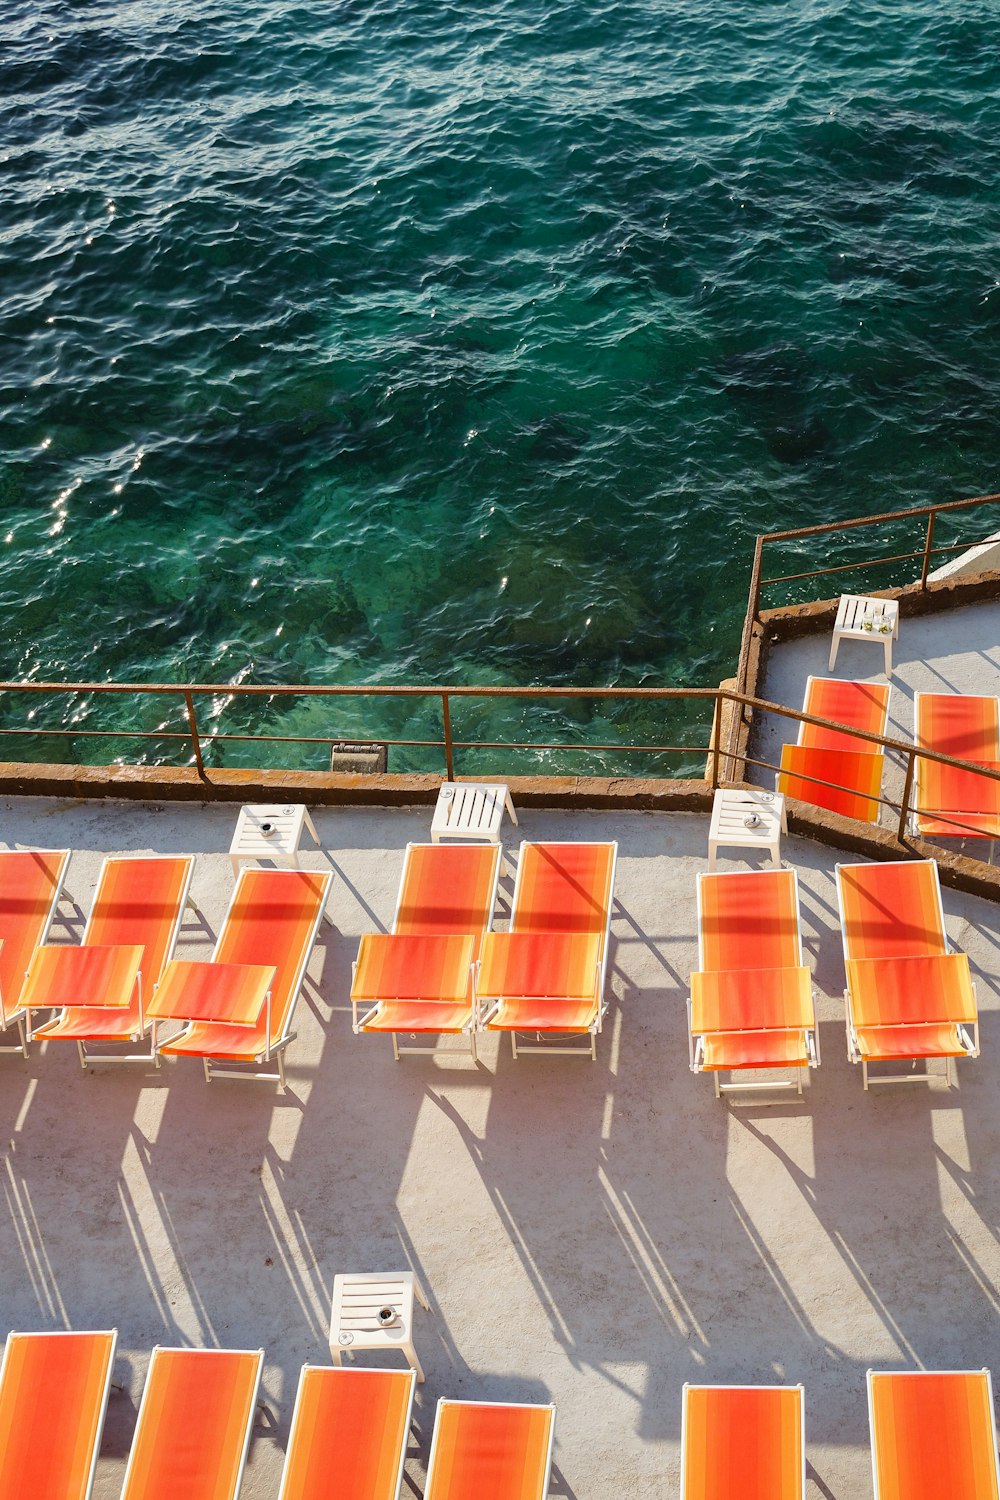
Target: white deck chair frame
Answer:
pixel 75 1333
pixel 443 1401
pixel 907 1374
pixel 969 1036
pixel 20 1017
pixel 346 1372
pixel 470 1031
pixel 565 1049
pixel 691 1386
pixel 696 1050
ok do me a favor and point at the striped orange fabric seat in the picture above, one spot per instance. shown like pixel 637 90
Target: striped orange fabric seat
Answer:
pixel 743 1443
pixel 860 705
pixel 917 991
pixel 485 1451
pixel 31 882
pixel 848 782
pixel 272 921
pixel 348 1436
pixel 891 910
pixel 964 725
pixel 749 920
pixel 193 1429
pixel 139 901
pixel 730 1051
pixel 53 1395
pixel 751 1000
pixel 933 1435
pixel 950 802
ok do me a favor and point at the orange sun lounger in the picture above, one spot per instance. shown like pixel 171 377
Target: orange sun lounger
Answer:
pixel 751 1002
pixel 828 768
pixel 139 902
pixel 745 1441
pixel 31 885
pixel 271 924
pixel 546 975
pixel 951 802
pixel 54 1391
pixel 481 1449
pixel 349 1434
pixel 193 1429
pixel 933 1435
pixel 418 979
pixel 907 996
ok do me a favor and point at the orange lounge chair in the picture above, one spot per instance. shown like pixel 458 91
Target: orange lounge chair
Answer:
pixel 139 902
pixel 933 1435
pixel 272 922
pixel 418 979
pixel 828 768
pixel 193 1429
pixel 481 1449
pixel 951 802
pixel 907 996
pixel 751 1002
pixel 547 974
pixel 31 885
pixel 54 1391
pixel 745 1441
pixel 349 1434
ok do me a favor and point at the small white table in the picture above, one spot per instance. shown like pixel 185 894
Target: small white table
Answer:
pixel 354 1317
pixel 470 810
pixel 732 807
pixel 270 832
pixel 860 618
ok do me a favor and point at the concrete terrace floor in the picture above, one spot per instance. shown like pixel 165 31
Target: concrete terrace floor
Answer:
pixel 590 1234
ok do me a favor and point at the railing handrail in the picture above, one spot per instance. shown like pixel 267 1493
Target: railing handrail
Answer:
pixel 854 522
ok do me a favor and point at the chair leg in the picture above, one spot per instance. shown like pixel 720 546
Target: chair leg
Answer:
pixel 864 1071
pixel 718 1086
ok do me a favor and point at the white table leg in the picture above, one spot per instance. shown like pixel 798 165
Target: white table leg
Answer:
pixel 888 656
pixel 235 862
pixel 713 849
pixel 510 809
pixel 420 1295
pixel 833 650
pixel 415 1364
pixel 308 822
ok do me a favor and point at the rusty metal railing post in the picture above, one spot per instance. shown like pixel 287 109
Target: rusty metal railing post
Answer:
pixel 927 550
pixel 195 740
pixel 449 752
pixel 904 806
pixel 716 737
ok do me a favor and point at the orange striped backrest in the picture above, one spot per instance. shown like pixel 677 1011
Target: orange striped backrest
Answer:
pixel 891 910
pixel 29 881
pixel 933 1436
pixel 447 889
pixel 959 724
pixel 489 1452
pixel 272 920
pixel 749 920
pixel 194 1425
pixel 563 888
pixel 141 901
pixel 348 1436
pixel 862 705
pixel 743 1441
pixel 53 1395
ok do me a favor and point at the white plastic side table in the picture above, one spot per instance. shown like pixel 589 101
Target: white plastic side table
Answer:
pixel 743 818
pixel 268 832
pixel 860 618
pixel 354 1317
pixel 470 810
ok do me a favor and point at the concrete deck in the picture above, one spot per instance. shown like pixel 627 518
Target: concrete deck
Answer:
pixel 590 1234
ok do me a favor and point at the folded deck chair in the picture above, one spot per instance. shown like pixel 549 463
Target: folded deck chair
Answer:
pixel 349 1434
pixel 546 975
pixel 481 1449
pixel 193 1429
pixel 31 884
pixel 828 768
pixel 933 1435
pixel 743 1441
pixel 53 1395
pixel 139 902
pixel 272 922
pixel 951 802
pixel 418 979
pixel 907 996
pixel 751 1002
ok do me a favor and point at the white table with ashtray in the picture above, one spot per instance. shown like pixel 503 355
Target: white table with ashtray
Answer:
pixel 745 818
pixel 375 1312
pixel 264 831
pixel 862 618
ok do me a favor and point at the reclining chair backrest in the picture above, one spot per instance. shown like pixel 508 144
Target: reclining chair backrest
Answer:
pixel 53 1395
pixel 749 920
pixel 891 910
pixel 349 1434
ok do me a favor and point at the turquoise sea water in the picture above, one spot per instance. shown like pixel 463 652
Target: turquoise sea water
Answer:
pixel 423 342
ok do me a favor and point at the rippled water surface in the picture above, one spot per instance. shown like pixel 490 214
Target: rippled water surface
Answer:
pixel 424 342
